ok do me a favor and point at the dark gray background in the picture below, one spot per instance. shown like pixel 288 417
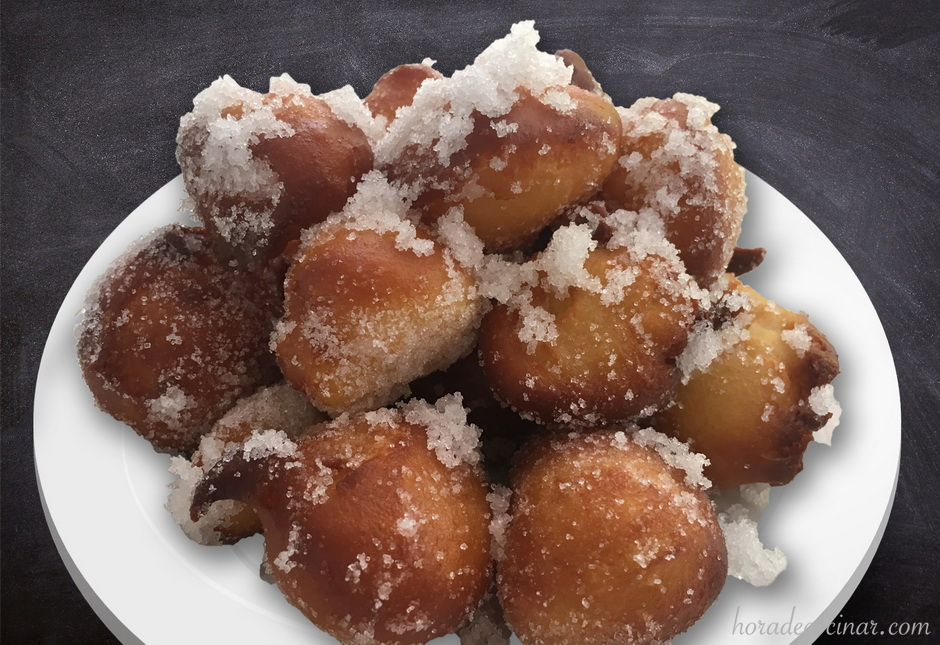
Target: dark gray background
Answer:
pixel 833 103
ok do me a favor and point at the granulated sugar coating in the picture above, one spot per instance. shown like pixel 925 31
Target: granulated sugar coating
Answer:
pixel 451 438
pixel 823 403
pixel 512 349
pixel 347 105
pixel 499 500
pixel 486 626
pixel 739 510
pixel 731 310
pixel 676 454
pixel 226 165
pixel 489 87
pixel 507 139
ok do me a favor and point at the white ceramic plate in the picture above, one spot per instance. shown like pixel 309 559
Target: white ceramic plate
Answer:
pixel 103 488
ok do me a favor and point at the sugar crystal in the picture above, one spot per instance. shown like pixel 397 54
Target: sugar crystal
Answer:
pixel 823 402
pixel 738 513
pixel 450 436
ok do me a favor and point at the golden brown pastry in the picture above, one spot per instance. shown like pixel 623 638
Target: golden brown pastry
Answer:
pixel 172 336
pixel 376 525
pixel 370 305
pixel 606 544
pixel 675 162
pixel 261 168
pixel 502 238
pixel 593 342
pixel 747 402
pixel 516 172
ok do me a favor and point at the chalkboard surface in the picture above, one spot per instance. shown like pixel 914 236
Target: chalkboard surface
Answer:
pixel 834 103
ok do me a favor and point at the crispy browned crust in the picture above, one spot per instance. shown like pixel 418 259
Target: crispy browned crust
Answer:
pixel 746 260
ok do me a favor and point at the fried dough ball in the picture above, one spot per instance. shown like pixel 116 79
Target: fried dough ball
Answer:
pixel 172 337
pixel 396 89
pixel 278 407
pixel 370 305
pixel 606 543
pixel 677 163
pixel 261 168
pixel 516 173
pixel 593 342
pixel 376 524
pixel 757 386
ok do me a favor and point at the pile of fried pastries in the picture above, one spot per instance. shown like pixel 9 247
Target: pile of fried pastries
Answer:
pixel 473 353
